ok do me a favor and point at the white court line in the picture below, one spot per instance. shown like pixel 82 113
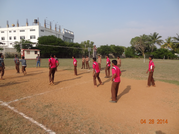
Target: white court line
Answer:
pixel 28 118
pixel 27 97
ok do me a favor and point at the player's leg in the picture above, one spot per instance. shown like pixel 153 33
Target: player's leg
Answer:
pixel 22 69
pixel 94 79
pixel 108 71
pixel 152 79
pixel 99 78
pixel 50 72
pixel 113 86
pixel 75 70
pixel 25 70
pixel 149 79
pixel 1 72
pixel 117 88
pixel 53 73
pixel 87 65
pixel 18 68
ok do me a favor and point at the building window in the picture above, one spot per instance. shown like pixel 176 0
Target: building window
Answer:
pixel 28 52
pixel 36 52
pixel 2 31
pixel 32 37
pixel 22 37
pixel 9 31
pixel 42 30
pixel 10 38
pixel 32 29
pixel 14 31
pixel 2 38
pixel 14 37
pixel 22 30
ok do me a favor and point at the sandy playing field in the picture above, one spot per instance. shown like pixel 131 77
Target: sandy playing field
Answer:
pixel 29 105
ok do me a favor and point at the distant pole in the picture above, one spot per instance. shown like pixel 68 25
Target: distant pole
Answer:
pixel 144 58
pixel 4 52
pixel 20 45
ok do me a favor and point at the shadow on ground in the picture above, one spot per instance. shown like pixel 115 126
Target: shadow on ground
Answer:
pixel 126 90
pixel 12 83
pixel 159 132
pixel 56 83
pixel 22 75
pixel 107 80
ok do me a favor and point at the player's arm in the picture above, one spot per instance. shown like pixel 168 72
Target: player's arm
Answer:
pixel 113 76
pixel 93 72
pixel 147 71
pixel 3 65
pixel 57 63
pixel 49 63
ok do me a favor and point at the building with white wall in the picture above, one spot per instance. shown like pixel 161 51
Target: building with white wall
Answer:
pixel 30 54
pixel 9 35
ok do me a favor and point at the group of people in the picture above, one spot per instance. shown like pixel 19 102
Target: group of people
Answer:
pixel 53 64
pixel 116 73
pixel 85 61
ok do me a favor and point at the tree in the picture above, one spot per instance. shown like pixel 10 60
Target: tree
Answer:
pixel 1 48
pixel 116 50
pixel 140 43
pixel 26 44
pixel 168 44
pixel 58 47
pixel 161 53
pixel 155 39
pixel 104 50
pixel 176 43
pixel 130 52
pixel 86 44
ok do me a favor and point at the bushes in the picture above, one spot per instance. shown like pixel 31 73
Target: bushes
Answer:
pixel 11 55
pixel 160 53
pixel 112 49
pixel 130 52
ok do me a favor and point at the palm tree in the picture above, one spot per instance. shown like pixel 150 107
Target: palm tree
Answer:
pixel 168 44
pixel 155 39
pixel 176 43
pixel 176 39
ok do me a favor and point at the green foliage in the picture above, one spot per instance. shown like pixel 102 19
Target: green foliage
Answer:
pixel 86 44
pixel 140 43
pixel 116 50
pixel 26 44
pixel 130 52
pixel 11 55
pixel 1 48
pixel 112 49
pixel 59 50
pixel 154 39
pixel 104 50
pixel 160 53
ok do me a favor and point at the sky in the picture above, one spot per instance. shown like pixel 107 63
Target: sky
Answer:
pixel 101 21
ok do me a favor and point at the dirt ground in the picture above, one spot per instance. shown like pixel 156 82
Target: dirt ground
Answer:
pixel 73 105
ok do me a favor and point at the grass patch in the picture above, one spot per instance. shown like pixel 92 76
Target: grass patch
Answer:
pixel 170 81
pixel 166 70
